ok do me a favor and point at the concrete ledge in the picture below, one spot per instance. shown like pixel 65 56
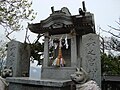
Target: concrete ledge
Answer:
pixel 27 80
pixel 26 83
pixel 62 73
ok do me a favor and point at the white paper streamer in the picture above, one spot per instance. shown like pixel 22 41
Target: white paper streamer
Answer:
pixel 66 42
pixel 55 45
pixel 51 42
pixel 54 62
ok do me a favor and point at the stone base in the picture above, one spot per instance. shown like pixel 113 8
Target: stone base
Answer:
pixel 56 73
pixel 25 83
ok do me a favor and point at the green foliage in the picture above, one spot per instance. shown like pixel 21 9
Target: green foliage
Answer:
pixel 37 52
pixel 3 42
pixel 3 50
pixel 110 64
pixel 12 12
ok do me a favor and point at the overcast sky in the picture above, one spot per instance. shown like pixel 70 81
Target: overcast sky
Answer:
pixel 106 12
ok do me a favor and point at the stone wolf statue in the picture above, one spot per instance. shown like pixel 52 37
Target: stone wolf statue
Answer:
pixel 82 81
pixel 5 73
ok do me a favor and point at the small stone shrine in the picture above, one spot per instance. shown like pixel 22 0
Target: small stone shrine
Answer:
pixel 74 44
pixel 56 28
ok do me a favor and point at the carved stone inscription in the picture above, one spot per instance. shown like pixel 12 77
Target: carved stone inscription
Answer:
pixel 18 56
pixel 91 56
pixel 12 56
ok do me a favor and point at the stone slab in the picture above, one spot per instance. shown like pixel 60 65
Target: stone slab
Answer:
pixel 62 73
pixel 91 56
pixel 18 55
pixel 26 83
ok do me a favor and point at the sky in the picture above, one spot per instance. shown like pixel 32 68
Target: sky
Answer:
pixel 106 12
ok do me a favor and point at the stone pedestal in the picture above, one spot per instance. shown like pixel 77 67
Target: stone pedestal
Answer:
pixel 62 73
pixel 17 83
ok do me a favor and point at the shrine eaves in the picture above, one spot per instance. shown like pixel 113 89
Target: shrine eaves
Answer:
pixel 62 22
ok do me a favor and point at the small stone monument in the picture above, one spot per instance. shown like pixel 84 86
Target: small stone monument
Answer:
pixel 18 58
pixel 91 56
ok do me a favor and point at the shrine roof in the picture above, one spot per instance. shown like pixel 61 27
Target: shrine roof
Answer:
pixel 62 22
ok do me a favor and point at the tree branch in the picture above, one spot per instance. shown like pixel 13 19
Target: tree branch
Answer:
pixel 114 28
pixel 117 22
pixel 114 34
pixel 8 33
pixel 109 32
pixel 26 34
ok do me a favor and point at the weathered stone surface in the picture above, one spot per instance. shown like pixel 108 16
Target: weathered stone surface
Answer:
pixel 18 83
pixel 62 73
pixel 91 56
pixel 18 56
pixel 73 52
pixel 46 50
pixel 90 85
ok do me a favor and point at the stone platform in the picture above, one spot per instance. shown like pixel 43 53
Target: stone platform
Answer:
pixel 62 73
pixel 26 83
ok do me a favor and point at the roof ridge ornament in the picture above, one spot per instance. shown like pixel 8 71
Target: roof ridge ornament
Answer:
pixel 84 8
pixel 62 22
pixel 82 11
pixel 52 9
pixel 66 11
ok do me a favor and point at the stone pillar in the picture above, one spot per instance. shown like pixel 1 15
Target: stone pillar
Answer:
pixel 18 57
pixel 80 50
pixel 91 56
pixel 73 52
pixel 46 50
